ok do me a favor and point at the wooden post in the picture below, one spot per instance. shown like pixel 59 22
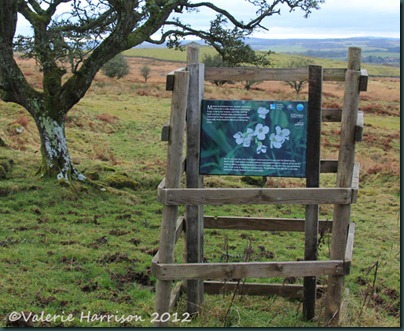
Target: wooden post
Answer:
pixel 346 161
pixel 312 180
pixel 194 213
pixel 173 176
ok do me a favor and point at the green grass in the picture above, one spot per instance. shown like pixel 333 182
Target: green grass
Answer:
pixel 82 249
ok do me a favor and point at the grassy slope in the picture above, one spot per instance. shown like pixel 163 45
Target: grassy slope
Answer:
pixel 87 249
pixel 280 60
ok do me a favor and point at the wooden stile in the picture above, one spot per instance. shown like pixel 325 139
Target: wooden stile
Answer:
pixel 187 86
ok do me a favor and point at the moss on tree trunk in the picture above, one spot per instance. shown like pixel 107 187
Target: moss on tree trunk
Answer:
pixel 56 160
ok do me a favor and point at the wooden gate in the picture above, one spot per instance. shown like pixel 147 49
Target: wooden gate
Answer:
pixel 187 86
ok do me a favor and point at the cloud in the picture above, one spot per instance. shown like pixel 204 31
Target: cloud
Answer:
pixel 336 18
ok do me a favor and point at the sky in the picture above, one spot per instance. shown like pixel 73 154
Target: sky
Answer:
pixel 335 19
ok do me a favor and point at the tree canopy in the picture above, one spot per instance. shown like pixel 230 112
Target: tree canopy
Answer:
pixel 79 36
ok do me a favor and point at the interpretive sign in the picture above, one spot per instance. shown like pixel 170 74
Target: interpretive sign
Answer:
pixel 253 138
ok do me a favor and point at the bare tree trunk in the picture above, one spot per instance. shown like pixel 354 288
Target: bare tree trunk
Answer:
pixel 56 160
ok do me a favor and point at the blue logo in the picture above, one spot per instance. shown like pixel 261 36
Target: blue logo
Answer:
pixel 299 107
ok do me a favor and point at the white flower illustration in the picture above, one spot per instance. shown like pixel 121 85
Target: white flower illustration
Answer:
pixel 283 134
pixel 262 112
pixel 261 131
pixel 275 141
pixel 261 148
pixel 244 138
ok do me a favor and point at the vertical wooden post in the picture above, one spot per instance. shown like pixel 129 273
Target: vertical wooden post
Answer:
pixel 194 214
pixel 312 180
pixel 346 162
pixel 173 176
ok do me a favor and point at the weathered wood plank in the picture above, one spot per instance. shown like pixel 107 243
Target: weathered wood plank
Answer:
pixel 170 79
pixel 346 159
pixel 165 132
pixel 355 182
pixel 312 180
pixel 220 196
pixel 350 243
pixel 363 80
pixel 167 271
pixel 260 223
pixel 349 249
pixel 292 291
pixel 172 180
pixel 359 127
pixel 328 166
pixel 178 231
pixel 284 74
pixel 175 295
pixel 193 214
pixel 331 115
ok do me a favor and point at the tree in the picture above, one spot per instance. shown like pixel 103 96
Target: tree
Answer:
pixel 145 72
pixel 116 67
pixel 298 85
pixel 79 40
pixel 215 61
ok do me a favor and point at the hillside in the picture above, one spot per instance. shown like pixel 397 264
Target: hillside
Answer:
pixel 374 49
pixel 280 60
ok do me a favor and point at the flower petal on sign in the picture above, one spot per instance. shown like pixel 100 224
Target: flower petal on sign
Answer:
pixel 262 112
pixel 239 138
pixel 261 131
pixel 275 141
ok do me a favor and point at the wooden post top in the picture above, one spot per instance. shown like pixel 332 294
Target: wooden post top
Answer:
pixel 354 58
pixel 192 53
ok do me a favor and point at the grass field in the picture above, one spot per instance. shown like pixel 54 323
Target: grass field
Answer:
pixel 86 252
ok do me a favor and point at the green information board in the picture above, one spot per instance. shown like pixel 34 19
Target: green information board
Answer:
pixel 253 138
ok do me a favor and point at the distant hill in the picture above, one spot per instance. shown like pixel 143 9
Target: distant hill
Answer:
pixel 366 43
pixel 374 49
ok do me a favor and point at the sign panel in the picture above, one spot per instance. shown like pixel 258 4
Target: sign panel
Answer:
pixel 253 138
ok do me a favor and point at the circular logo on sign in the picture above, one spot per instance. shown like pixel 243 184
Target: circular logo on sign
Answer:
pixel 300 107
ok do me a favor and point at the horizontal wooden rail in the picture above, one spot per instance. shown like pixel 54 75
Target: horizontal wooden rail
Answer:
pixel 209 271
pixel 284 74
pixel 260 223
pixel 221 196
pixel 292 291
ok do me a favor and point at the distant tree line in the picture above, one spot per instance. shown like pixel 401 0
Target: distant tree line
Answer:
pixel 343 54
